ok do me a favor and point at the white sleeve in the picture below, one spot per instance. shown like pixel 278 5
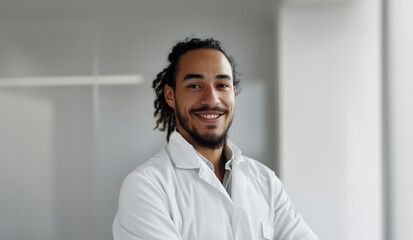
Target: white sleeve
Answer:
pixel 143 212
pixel 289 225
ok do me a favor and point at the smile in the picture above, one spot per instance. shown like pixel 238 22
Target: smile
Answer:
pixel 209 116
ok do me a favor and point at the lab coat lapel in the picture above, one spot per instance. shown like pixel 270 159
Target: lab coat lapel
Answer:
pixel 209 177
pixel 240 176
pixel 239 194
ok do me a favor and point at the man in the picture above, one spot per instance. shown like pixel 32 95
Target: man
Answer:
pixel 200 186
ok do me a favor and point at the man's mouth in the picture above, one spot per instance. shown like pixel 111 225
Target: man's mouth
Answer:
pixel 209 116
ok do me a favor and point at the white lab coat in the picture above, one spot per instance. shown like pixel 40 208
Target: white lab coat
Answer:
pixel 175 195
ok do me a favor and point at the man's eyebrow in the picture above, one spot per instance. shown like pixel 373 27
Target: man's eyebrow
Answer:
pixel 193 75
pixel 223 76
pixel 199 76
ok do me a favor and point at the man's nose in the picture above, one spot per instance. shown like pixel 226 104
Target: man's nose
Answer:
pixel 210 97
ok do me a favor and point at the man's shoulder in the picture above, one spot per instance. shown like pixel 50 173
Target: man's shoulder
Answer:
pixel 256 165
pixel 259 170
pixel 153 169
pixel 150 180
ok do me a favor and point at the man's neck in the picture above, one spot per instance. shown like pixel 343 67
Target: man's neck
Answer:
pixel 213 155
pixel 216 157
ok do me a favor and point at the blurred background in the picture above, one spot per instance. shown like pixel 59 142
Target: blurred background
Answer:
pixel 326 101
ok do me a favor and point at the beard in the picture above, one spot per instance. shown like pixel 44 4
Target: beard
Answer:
pixel 210 141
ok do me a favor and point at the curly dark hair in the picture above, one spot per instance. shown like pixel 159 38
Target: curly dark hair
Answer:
pixel 163 112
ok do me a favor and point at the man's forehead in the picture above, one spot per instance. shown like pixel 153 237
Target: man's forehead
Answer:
pixel 204 59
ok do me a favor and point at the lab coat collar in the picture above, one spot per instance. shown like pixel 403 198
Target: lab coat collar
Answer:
pixel 185 156
pixel 234 152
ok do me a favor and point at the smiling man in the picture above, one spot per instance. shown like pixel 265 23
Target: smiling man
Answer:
pixel 200 186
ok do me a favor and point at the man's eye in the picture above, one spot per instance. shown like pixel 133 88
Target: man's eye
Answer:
pixel 223 85
pixel 194 86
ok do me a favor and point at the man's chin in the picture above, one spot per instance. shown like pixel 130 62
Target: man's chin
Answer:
pixel 210 140
pixel 213 137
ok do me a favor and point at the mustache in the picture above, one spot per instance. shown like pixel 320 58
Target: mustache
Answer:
pixel 207 108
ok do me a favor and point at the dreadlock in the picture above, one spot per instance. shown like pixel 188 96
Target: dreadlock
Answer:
pixel 163 112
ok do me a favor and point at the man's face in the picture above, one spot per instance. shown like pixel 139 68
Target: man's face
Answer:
pixel 204 97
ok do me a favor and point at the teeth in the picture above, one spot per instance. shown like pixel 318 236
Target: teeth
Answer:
pixel 209 116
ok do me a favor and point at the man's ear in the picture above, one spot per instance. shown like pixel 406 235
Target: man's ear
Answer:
pixel 169 94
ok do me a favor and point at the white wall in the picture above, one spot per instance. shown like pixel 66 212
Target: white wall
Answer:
pixel 83 142
pixel 400 82
pixel 31 196
pixel 330 115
